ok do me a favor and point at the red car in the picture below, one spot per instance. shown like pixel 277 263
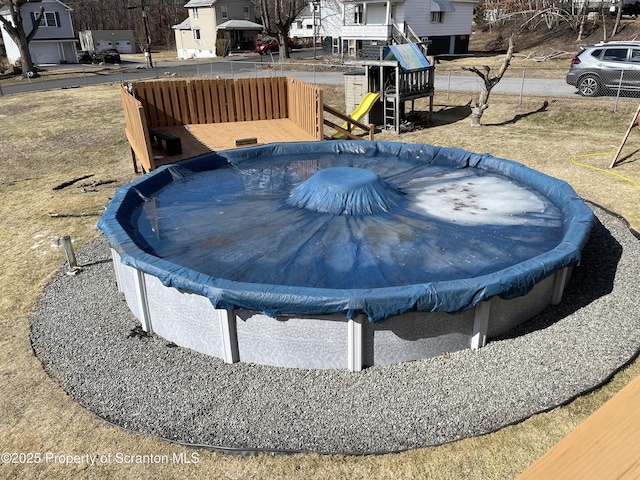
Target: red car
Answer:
pixel 271 45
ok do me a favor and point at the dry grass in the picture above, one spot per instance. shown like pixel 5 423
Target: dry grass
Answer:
pixel 50 137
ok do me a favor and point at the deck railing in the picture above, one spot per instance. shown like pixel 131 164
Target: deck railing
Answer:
pixel 369 130
pixel 306 107
pixel 136 130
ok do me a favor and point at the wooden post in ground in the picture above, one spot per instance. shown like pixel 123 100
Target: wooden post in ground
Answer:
pixel 634 123
pixel 68 249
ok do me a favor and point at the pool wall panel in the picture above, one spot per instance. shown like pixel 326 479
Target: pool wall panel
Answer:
pixel 507 314
pixel 416 335
pixel 292 341
pixel 185 318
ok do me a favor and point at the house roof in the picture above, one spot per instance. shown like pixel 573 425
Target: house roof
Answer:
pixel 305 12
pixel 185 25
pixel 239 25
pixel 442 6
pixel 199 3
pixel 4 9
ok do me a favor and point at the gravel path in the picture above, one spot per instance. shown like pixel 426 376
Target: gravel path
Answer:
pixel 83 333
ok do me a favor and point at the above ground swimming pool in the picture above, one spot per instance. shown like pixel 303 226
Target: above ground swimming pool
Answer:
pixel 342 254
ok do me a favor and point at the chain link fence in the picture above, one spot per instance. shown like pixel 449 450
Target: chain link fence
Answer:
pixel 518 85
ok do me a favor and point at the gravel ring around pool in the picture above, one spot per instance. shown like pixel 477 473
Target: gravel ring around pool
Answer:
pixel 88 342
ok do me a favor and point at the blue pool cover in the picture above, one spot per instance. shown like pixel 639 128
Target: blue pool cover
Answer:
pixel 323 227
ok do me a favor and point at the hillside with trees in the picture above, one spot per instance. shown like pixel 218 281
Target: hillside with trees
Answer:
pixel 548 26
pixel 127 15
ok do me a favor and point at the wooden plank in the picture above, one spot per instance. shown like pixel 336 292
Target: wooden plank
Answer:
pixel 275 100
pixel 145 93
pixel 251 104
pixel 239 92
pixel 255 84
pixel 247 100
pixel 208 101
pixel 605 446
pixel 200 102
pixel 231 115
pixel 183 100
pixel 174 99
pixel 262 104
pixel 283 110
pixel 191 101
pixel 268 102
pixel 634 123
pixel 217 102
pixel 164 94
pixel 319 107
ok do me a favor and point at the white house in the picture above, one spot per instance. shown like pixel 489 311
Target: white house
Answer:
pixel 212 20
pixel 359 28
pixel 302 30
pixel 96 40
pixel 54 41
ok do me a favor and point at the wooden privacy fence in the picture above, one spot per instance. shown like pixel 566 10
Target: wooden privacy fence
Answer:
pixel 136 130
pixel 173 103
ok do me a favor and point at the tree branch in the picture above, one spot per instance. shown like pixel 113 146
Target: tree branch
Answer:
pixel 36 24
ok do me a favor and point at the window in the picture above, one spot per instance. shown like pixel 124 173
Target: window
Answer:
pixel 358 14
pixel 436 17
pixel 224 11
pixel 49 19
pixel 247 13
pixel 615 54
pixel 195 13
pixel 196 34
pixel 635 55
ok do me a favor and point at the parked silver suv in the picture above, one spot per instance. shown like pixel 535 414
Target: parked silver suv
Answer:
pixel 604 66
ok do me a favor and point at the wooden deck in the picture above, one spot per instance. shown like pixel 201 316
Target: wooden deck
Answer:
pixel 211 114
pixel 204 138
pixel 605 446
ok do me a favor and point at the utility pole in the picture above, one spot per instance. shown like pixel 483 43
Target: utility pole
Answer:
pixel 147 33
pixel 316 18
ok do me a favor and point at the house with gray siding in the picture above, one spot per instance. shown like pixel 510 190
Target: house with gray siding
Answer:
pixel 54 41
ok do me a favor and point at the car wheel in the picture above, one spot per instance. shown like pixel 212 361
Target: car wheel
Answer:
pixel 268 51
pixel 589 86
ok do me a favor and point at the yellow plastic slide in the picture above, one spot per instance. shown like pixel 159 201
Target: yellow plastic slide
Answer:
pixel 361 110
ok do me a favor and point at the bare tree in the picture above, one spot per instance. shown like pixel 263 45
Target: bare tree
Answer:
pixel 15 29
pixel 482 102
pixel 277 16
pixel 127 15
pixel 616 26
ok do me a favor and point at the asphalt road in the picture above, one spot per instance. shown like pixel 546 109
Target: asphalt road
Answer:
pixel 243 66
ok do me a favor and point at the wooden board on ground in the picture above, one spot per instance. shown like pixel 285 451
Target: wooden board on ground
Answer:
pixel 605 446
